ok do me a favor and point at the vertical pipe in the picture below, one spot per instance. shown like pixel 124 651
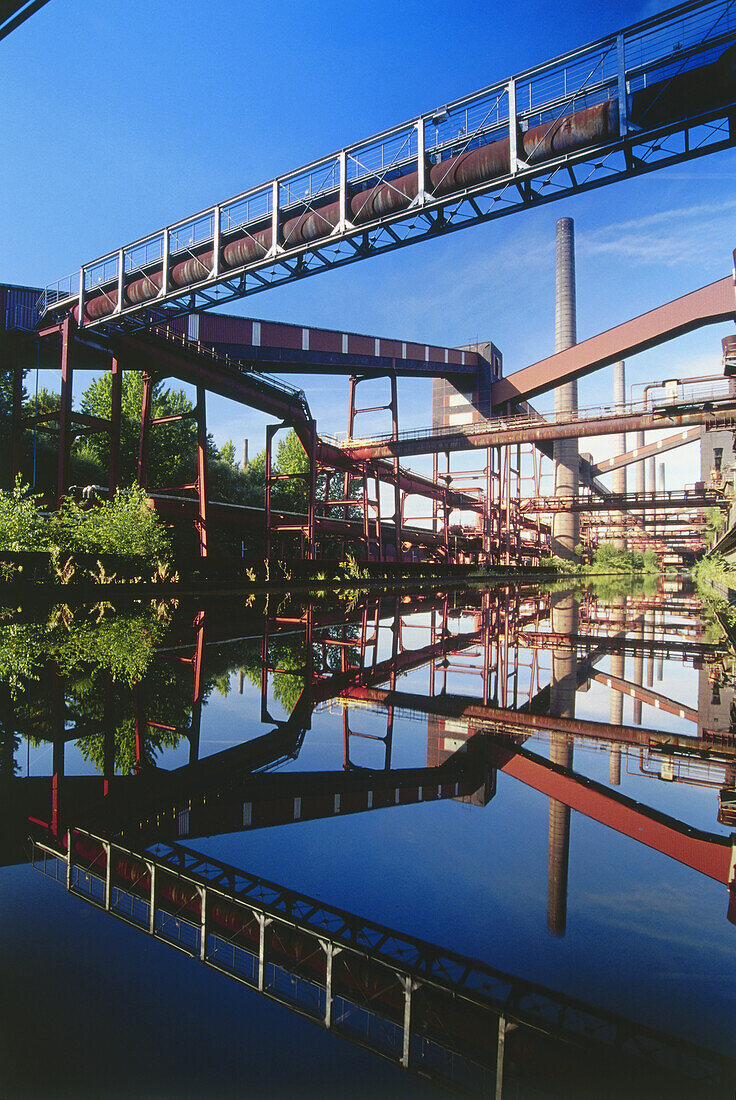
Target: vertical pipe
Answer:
pixel 565 451
pixel 145 431
pixel 638 669
pixel 661 489
pixel 659 616
pixel 487 535
pixel 564 682
pixel 311 450
pixel 268 477
pixel 618 668
pixel 397 473
pixel 652 488
pixel 649 618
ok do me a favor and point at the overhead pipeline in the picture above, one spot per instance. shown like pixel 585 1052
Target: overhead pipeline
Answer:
pixel 683 95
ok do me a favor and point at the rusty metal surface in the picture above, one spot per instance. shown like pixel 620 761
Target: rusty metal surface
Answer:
pixel 708 305
pixel 640 453
pixel 497 434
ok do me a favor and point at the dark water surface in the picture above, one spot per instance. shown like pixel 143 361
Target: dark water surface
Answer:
pixel 481 815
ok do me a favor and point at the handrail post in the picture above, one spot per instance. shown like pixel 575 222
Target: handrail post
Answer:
pixel 623 122
pixel 121 280
pixel 513 131
pixel 216 232
pixel 165 263
pixel 421 162
pixel 273 251
pixel 80 297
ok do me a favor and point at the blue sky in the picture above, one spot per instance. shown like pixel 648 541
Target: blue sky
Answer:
pixel 121 117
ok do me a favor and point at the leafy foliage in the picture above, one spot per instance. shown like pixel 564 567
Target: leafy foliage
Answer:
pixel 608 558
pixel 124 526
pixel 22 527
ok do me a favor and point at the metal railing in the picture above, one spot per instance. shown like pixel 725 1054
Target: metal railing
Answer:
pixel 687 395
pixel 404 964
pixel 267 383
pixel 661 48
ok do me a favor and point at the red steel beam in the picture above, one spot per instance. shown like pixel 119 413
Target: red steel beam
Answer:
pixel 708 853
pixel 497 433
pixel 709 305
pixel 688 435
pixel 646 695
pixel 456 707
pixel 683 499
pixel 215 377
pixel 411 483
pixel 548 639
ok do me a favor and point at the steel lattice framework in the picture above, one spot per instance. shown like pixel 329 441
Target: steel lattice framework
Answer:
pixel 337 968
pixel 655 94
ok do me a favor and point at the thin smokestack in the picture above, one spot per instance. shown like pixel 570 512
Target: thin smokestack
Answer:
pixel 619 444
pixel 565 451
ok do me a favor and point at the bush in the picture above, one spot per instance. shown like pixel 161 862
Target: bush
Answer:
pixel 123 526
pixel 22 527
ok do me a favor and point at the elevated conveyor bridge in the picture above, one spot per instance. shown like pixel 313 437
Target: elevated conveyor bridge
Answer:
pixel 658 93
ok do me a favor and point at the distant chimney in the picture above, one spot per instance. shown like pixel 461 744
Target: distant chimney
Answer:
pixel 245 453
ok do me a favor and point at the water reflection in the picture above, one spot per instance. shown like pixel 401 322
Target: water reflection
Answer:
pixel 120 707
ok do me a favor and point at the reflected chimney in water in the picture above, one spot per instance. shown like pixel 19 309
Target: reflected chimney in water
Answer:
pixel 618 669
pixel 564 684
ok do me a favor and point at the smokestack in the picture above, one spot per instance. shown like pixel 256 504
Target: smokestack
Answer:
pixel 618 668
pixel 619 445
pixel 565 451
pixel 245 453
pixel 640 465
pixel 651 464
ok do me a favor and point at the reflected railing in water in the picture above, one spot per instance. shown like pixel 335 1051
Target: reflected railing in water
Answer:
pixel 484 670
pixel 423 1007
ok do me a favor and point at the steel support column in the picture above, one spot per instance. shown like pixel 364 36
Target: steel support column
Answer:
pixel 65 412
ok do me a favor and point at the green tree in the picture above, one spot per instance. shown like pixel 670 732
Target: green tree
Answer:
pixel 227 452
pixel 292 460
pixel 172 446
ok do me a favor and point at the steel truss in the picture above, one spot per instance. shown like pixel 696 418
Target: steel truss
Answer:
pixel 422 1007
pixel 645 98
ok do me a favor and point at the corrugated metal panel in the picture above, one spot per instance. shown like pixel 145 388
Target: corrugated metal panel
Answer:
pixel 274 335
pixel 325 340
pixel 360 345
pixel 391 348
pixel 18 306
pixel 216 328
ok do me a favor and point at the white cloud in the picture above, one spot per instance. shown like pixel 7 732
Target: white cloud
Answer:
pixel 679 235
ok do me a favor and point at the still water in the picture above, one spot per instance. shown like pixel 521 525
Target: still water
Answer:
pixel 476 840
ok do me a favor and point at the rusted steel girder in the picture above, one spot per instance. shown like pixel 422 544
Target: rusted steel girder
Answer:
pixel 688 435
pixel 176 361
pixel 721 414
pixel 339 458
pixel 708 853
pixel 707 306
pixel 458 708
pixel 631 502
